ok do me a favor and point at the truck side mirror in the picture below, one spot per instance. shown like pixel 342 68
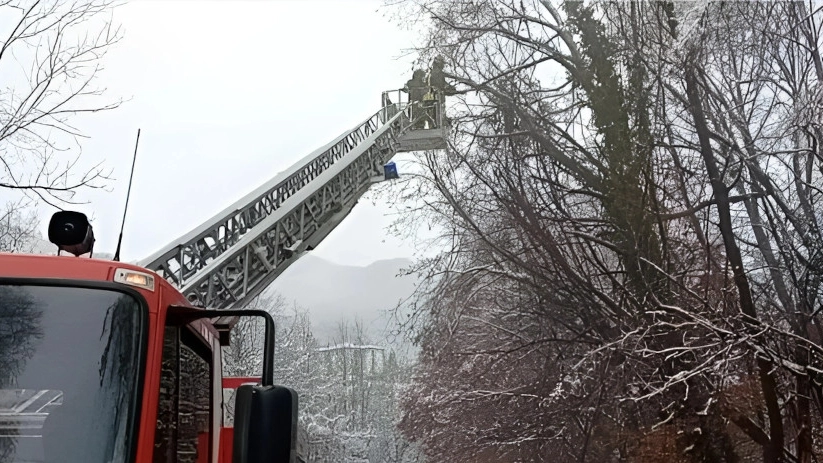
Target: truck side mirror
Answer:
pixel 265 425
pixel 265 415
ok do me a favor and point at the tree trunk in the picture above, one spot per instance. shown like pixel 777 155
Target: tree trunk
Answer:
pixel 772 453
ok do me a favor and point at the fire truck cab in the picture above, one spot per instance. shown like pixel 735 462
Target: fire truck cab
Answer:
pixel 102 361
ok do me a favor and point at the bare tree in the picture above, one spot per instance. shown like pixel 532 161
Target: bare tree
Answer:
pixel 18 228
pixel 630 196
pixel 50 56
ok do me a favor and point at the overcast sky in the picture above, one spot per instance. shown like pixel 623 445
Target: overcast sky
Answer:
pixel 227 94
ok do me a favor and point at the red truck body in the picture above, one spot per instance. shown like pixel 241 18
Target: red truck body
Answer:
pixel 214 444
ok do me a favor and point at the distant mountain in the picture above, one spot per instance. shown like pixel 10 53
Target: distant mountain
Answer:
pixel 333 292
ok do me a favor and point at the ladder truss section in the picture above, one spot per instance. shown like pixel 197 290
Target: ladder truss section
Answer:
pixel 230 272
pixel 182 263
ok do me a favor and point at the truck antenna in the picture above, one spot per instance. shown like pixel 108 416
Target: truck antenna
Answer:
pixel 128 194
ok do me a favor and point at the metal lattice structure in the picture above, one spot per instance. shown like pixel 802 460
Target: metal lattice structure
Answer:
pixel 234 256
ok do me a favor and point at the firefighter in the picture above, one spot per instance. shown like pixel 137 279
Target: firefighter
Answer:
pixel 437 79
pixel 416 88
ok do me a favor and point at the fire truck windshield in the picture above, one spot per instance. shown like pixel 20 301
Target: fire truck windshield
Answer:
pixel 69 368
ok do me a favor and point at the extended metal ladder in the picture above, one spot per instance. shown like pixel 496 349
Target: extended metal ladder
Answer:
pixel 235 255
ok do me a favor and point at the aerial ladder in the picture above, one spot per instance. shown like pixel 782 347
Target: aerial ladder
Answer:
pixel 235 255
pixel 153 331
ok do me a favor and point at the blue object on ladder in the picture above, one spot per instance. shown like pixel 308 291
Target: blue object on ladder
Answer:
pixel 390 171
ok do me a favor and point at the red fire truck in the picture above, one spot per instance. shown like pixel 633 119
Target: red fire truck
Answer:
pixel 102 361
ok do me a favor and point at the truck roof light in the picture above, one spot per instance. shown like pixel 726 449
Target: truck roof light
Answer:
pixel 134 278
